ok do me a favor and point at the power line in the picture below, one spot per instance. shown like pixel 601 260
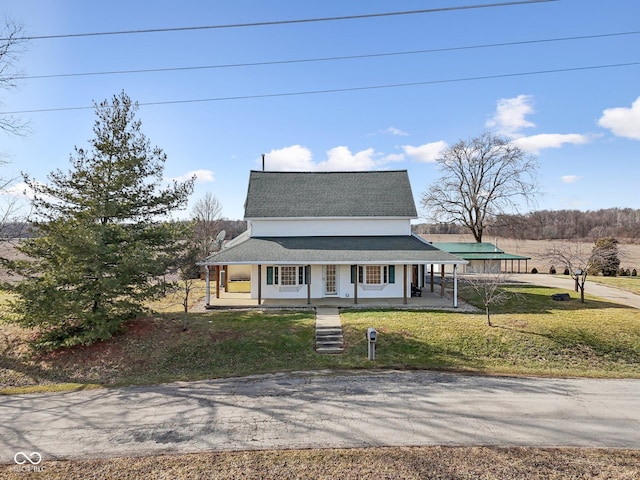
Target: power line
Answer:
pixel 347 89
pixel 281 22
pixel 325 59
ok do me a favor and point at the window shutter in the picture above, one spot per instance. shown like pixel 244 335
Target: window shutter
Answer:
pixel 269 275
pixel 307 272
pixel 353 273
pixel 392 274
pixel 275 275
pixel 360 274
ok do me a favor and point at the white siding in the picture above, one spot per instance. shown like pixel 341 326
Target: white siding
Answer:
pixel 330 227
pixel 344 285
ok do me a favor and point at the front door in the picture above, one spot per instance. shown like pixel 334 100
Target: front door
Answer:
pixel 330 280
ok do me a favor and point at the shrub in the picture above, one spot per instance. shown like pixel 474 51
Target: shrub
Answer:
pixel 534 270
pixel 552 270
pixel 566 271
pixel 634 273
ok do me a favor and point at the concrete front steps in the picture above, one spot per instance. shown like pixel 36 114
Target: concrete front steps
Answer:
pixel 329 339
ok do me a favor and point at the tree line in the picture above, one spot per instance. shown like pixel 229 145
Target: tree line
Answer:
pixel 554 225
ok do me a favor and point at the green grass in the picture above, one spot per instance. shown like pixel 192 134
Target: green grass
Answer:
pixel 532 335
pixel 630 284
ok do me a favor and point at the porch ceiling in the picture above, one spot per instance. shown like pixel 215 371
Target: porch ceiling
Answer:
pixel 334 250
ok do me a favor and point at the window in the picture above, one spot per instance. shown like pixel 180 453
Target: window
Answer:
pixel 287 275
pixel 374 276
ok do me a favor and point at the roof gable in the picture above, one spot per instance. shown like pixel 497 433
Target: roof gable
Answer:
pixel 329 194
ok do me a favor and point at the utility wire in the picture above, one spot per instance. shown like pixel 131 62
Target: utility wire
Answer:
pixel 325 59
pixel 281 22
pixel 347 89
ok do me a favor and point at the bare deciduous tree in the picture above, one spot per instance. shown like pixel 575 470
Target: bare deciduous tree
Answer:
pixel 490 289
pixel 576 258
pixel 11 46
pixel 481 178
pixel 206 214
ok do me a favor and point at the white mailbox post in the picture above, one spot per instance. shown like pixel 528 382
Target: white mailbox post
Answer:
pixel 372 336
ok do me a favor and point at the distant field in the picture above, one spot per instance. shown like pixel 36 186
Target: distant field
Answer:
pixel 629 253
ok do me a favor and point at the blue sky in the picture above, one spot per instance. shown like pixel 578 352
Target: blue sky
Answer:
pixel 582 125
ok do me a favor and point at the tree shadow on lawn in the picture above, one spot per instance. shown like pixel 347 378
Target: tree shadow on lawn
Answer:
pixel 157 349
pixel 536 299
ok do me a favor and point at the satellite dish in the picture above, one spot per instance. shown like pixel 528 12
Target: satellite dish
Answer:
pixel 220 238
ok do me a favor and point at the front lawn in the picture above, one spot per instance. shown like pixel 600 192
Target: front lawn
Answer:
pixel 630 284
pixel 532 335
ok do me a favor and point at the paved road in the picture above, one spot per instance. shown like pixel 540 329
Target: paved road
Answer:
pixel 614 295
pixel 323 409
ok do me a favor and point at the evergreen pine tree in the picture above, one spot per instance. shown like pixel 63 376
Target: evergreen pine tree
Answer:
pixel 102 243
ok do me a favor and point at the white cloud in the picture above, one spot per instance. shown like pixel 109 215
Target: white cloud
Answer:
pixel 341 158
pixel 535 143
pixel 202 176
pixel 293 158
pixel 298 158
pixel 21 190
pixel 392 157
pixel 569 178
pixel 390 131
pixel 396 131
pixel 509 116
pixel 429 152
pixel 623 122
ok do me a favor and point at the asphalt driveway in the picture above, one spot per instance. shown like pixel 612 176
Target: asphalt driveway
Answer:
pixel 323 409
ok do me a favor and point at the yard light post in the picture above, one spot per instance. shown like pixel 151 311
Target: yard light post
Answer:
pixel 577 274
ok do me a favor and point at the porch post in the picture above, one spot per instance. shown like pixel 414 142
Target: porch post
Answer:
pixel 259 284
pixel 217 281
pixel 404 289
pixel 432 278
pixel 355 284
pixel 308 276
pixel 455 285
pixel 442 280
pixel 226 277
pixel 207 283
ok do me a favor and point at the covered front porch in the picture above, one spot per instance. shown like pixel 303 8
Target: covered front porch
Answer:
pixel 428 300
pixel 376 271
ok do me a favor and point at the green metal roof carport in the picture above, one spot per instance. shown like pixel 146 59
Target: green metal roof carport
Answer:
pixel 482 251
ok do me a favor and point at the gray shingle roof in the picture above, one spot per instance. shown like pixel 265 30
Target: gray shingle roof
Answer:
pixel 323 250
pixel 329 194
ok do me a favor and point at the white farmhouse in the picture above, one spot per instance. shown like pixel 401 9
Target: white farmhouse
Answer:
pixel 315 235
